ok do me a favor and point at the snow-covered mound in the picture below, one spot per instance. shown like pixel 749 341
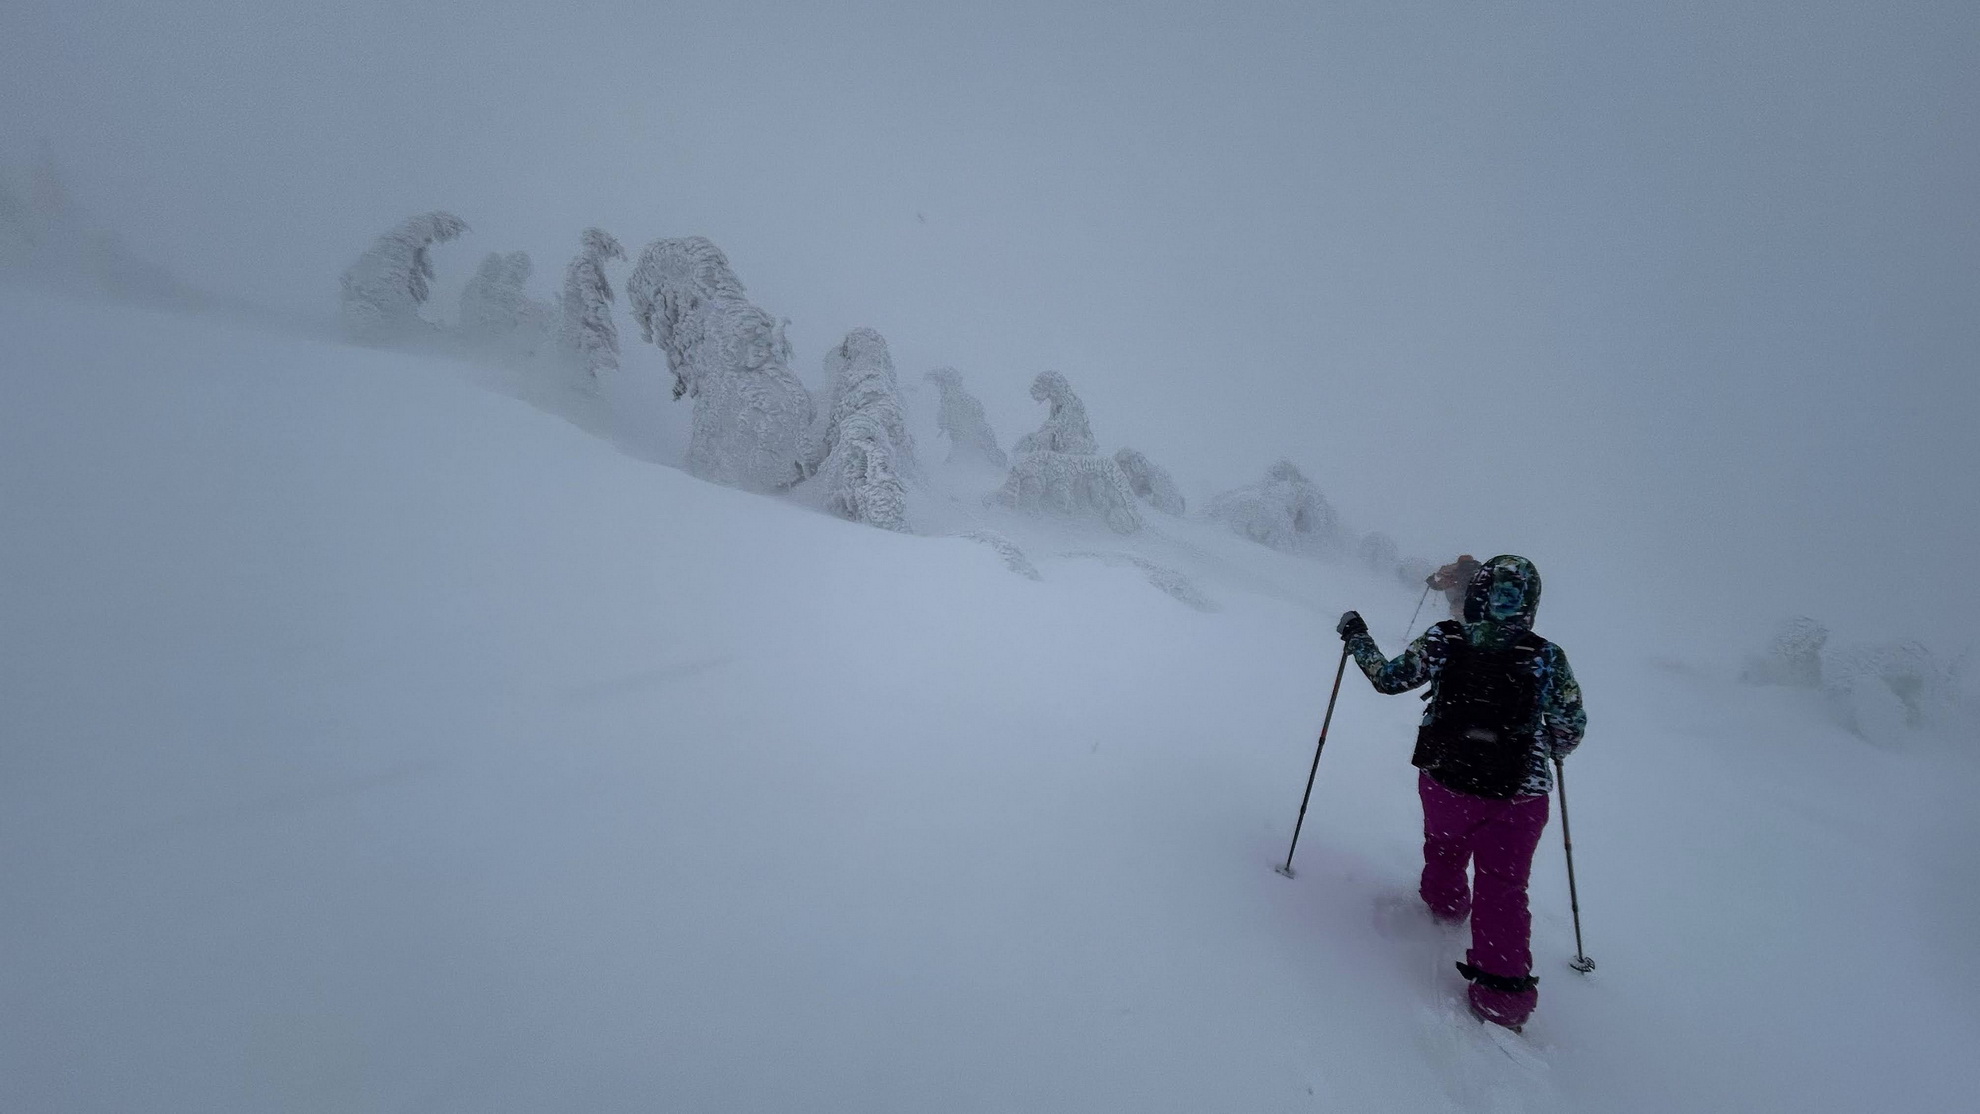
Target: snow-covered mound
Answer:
pixel 374 742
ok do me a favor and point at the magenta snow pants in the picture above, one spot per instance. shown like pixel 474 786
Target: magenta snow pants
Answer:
pixel 1497 838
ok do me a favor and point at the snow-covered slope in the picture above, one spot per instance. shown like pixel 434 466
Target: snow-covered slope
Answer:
pixel 376 742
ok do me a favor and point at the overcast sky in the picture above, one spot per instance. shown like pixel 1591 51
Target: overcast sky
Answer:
pixel 1681 300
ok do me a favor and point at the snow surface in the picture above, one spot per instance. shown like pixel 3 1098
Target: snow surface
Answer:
pixel 376 742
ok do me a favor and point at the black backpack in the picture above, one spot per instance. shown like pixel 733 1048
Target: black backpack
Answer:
pixel 1480 736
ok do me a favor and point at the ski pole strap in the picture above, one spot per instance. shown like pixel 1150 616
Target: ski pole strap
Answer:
pixel 1497 982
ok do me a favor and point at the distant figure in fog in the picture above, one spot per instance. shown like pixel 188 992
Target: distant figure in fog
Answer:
pixel 1452 579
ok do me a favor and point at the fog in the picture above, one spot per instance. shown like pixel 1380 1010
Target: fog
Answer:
pixel 1683 303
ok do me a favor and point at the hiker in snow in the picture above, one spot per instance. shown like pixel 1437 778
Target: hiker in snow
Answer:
pixel 1503 704
pixel 1452 579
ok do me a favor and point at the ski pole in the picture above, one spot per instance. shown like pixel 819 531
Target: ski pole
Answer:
pixel 1580 962
pixel 1418 611
pixel 1286 868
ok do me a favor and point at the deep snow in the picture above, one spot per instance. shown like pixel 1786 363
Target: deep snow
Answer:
pixel 377 742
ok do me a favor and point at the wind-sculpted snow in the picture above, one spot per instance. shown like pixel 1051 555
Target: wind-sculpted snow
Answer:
pixel 1150 481
pixel 285 700
pixel 731 357
pixel 383 290
pixel 586 330
pixel 1284 511
pixel 1065 429
pixel 961 419
pixel 1071 484
pixel 1014 558
pixel 1173 583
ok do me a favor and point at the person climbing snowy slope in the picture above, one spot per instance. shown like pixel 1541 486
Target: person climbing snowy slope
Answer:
pixel 1503 704
pixel 1452 580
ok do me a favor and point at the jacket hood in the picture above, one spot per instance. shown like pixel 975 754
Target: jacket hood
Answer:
pixel 1515 583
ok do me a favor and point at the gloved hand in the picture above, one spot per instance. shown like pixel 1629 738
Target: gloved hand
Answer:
pixel 1350 625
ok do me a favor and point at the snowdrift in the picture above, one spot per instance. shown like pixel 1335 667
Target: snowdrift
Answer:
pixel 375 742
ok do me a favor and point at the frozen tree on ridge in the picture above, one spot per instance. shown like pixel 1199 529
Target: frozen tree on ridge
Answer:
pixel 383 290
pixel 1793 657
pixel 1879 688
pixel 731 357
pixel 862 448
pixel 1065 429
pixel 1150 481
pixel 1284 511
pixel 495 307
pixel 960 417
pixel 1058 469
pixel 859 375
pixel 1078 485
pixel 587 332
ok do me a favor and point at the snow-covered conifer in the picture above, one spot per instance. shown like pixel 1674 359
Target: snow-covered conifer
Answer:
pixel 750 412
pixel 481 300
pixel 497 310
pixel 1379 553
pixel 1058 469
pixel 1065 429
pixel 1284 510
pixel 51 240
pixel 960 417
pixel 1150 481
pixel 859 377
pixel 1793 657
pixel 1079 485
pixel 587 332
pixel 861 446
pixel 1862 680
pixel 383 290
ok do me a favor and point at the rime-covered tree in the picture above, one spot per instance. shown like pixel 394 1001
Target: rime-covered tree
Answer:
pixel 1077 485
pixel 1892 685
pixel 859 377
pixel 860 449
pixel 1284 511
pixel 1058 469
pixel 750 412
pixel 586 331
pixel 485 309
pixel 48 239
pixel 1793 657
pixel 496 308
pixel 960 418
pixel 383 290
pixel 1065 429
pixel 1150 481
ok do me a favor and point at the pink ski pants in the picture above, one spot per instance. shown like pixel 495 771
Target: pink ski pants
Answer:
pixel 1497 839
